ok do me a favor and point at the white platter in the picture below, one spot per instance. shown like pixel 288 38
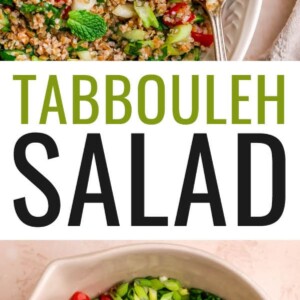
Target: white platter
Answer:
pixel 240 20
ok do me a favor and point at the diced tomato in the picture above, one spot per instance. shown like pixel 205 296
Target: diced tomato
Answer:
pixel 80 296
pixel 204 39
pixel 105 297
pixel 65 13
pixel 178 14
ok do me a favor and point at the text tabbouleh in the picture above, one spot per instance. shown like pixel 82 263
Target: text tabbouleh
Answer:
pixel 150 288
pixel 103 30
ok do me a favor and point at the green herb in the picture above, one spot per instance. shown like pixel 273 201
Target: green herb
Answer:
pixel 56 11
pixel 199 19
pixel 196 294
pixel 162 57
pixel 161 26
pixel 44 8
pixel 197 54
pixel 4 22
pixel 7 2
pixel 10 55
pixel 30 8
pixel 86 26
pixel 78 49
pixel 134 48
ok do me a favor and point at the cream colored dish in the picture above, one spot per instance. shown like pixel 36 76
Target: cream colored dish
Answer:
pixel 240 19
pixel 97 272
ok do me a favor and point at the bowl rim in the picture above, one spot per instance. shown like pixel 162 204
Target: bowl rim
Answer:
pixel 139 247
pixel 247 34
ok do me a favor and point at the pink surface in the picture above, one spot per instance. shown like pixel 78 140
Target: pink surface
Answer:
pixel 272 19
pixel 275 266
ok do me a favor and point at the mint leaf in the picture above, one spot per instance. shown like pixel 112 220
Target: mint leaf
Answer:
pixel 85 25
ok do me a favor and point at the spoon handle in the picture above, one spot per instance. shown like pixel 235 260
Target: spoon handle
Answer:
pixel 216 21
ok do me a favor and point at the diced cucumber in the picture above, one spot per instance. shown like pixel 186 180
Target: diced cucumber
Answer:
pixel 4 21
pixel 35 58
pixel 173 51
pixel 84 55
pixel 179 33
pixel 146 14
pixel 135 35
pixel 125 11
pixel 83 4
pixel 10 54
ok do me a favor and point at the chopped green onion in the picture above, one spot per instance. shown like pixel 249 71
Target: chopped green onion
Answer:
pixel 122 289
pixel 172 284
pixel 167 296
pixel 155 283
pixel 140 292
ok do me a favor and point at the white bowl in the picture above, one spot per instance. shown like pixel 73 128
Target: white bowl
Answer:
pixel 97 272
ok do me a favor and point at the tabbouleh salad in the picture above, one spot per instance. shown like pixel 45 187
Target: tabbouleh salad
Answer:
pixel 117 30
pixel 150 288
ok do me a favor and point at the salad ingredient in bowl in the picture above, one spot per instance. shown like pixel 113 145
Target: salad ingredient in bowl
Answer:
pixel 212 5
pixel 103 30
pixel 150 288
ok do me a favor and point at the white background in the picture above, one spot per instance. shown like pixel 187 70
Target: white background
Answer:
pixel 167 147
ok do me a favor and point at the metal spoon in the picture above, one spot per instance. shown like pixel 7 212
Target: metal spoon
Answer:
pixel 215 15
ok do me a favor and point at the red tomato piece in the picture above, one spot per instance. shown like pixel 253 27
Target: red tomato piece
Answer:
pixel 80 296
pixel 105 297
pixel 179 14
pixel 204 39
pixel 65 13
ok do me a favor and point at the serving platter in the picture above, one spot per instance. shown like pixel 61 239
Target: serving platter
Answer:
pixel 240 18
